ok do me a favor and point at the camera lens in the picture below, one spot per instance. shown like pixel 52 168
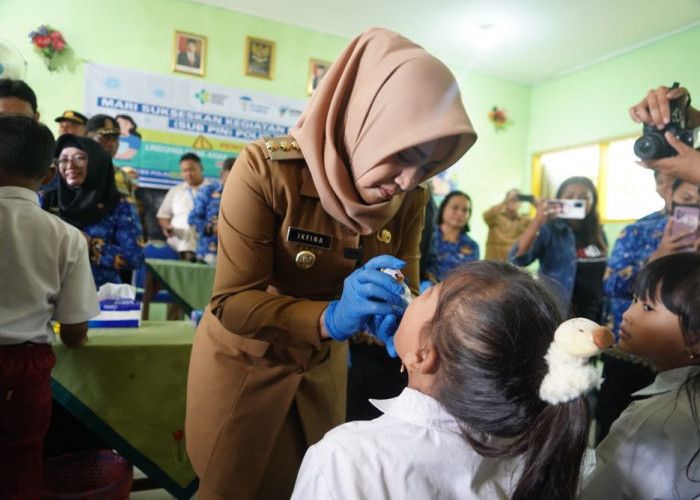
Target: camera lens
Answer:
pixel 649 146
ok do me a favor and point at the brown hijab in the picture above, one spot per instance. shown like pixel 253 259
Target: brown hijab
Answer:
pixel 383 95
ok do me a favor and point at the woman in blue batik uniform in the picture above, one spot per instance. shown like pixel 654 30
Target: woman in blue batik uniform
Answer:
pixel 205 215
pixel 87 198
pixel 453 245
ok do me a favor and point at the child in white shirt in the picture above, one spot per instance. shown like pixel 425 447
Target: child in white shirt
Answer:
pixel 471 423
pixel 44 274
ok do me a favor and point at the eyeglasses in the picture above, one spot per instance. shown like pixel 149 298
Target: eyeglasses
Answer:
pixel 77 159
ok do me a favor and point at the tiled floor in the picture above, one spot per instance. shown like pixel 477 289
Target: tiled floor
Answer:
pixel 151 494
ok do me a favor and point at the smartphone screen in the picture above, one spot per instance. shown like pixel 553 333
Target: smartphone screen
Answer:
pixel 685 218
pixel 568 209
pixel 526 197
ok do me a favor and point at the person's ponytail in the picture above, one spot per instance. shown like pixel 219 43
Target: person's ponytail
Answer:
pixel 552 449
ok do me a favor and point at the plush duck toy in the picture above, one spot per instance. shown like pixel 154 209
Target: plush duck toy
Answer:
pixel 570 374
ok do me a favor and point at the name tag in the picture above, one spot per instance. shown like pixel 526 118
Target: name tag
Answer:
pixel 304 237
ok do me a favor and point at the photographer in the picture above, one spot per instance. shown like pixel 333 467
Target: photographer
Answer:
pixel 655 109
pixel 571 252
pixel 505 225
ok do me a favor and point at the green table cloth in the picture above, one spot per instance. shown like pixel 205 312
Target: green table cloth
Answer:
pixel 128 386
pixel 190 283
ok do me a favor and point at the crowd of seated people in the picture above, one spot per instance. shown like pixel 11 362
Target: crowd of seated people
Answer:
pixel 650 278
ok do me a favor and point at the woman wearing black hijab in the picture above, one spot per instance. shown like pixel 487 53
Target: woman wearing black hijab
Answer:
pixel 87 198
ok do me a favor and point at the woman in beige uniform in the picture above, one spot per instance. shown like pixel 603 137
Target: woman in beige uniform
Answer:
pixel 299 215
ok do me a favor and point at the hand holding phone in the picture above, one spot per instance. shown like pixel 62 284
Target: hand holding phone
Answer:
pixel 567 209
pixel 526 197
pixel 685 221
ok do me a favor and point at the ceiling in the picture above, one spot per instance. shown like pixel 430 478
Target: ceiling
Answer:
pixel 531 40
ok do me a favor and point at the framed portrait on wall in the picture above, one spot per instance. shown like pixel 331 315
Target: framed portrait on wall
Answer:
pixel 259 57
pixel 189 53
pixel 317 70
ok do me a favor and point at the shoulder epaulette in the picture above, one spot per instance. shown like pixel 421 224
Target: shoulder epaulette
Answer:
pixel 283 147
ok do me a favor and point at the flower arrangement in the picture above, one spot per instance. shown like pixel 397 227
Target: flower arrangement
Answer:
pixel 49 42
pixel 498 117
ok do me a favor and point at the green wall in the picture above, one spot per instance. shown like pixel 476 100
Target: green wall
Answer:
pixel 592 104
pixel 582 107
pixel 498 161
pixel 139 34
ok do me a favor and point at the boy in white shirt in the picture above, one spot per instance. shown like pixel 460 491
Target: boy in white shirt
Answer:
pixel 45 274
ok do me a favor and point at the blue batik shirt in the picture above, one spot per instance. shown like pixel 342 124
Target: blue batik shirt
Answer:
pixel 116 243
pixel 450 254
pixel 205 217
pixel 555 249
pixel 633 247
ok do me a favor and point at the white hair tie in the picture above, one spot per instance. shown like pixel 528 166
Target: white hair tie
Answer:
pixel 570 375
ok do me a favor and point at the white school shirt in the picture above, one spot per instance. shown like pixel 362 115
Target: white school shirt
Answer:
pixel 44 271
pixel 649 445
pixel 414 451
pixel 176 206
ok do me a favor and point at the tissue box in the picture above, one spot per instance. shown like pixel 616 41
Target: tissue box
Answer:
pixel 117 313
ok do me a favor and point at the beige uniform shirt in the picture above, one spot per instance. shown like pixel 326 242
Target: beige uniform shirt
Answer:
pixel 503 231
pixel 258 352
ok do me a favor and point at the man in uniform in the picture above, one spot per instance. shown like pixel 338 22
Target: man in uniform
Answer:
pixel 105 130
pixel 72 122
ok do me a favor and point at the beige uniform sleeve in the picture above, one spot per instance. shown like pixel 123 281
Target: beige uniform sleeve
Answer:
pixel 245 263
pixel 491 214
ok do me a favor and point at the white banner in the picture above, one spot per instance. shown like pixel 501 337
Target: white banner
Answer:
pixel 176 115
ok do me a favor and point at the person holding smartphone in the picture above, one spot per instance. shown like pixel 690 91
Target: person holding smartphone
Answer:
pixel 506 224
pixel 571 252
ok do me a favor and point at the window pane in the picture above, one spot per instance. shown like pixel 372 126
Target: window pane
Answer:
pixel 631 191
pixel 560 165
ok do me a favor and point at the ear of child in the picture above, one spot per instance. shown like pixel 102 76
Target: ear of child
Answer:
pixel 423 360
pixel 421 365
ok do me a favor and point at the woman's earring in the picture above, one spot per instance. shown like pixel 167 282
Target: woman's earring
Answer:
pixel 402 369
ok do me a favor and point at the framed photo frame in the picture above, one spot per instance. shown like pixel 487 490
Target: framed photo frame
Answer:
pixel 189 53
pixel 317 70
pixel 259 58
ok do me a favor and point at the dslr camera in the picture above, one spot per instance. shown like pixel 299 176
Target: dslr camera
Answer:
pixel 652 144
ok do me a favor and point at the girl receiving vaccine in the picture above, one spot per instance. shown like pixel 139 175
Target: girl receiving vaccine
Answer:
pixel 652 448
pixel 472 422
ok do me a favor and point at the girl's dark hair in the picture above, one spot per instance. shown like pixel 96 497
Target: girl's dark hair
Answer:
pixel 675 281
pixel 492 327
pixel 447 199
pixel 589 231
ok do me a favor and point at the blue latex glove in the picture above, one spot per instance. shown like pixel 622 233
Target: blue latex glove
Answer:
pixel 367 292
pixel 384 328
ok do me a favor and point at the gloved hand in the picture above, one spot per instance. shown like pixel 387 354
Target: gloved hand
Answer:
pixel 384 328
pixel 367 292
